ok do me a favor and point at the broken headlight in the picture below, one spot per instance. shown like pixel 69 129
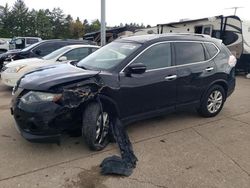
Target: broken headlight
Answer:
pixel 35 97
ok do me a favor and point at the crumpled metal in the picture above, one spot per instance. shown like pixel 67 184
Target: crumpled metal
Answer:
pixel 125 164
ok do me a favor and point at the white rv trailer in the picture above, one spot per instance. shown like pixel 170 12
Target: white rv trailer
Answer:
pixel 233 32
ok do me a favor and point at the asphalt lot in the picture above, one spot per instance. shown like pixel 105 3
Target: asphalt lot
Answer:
pixel 177 150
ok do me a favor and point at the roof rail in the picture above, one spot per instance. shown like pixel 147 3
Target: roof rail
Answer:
pixel 191 34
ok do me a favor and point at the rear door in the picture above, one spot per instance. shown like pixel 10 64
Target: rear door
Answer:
pixel 194 71
pixel 153 90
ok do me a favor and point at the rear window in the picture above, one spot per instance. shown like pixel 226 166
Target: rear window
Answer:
pixel 224 53
pixel 212 50
pixel 188 52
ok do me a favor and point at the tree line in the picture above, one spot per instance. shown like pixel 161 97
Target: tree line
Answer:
pixel 18 20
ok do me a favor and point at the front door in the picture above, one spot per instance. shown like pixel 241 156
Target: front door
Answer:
pixel 153 90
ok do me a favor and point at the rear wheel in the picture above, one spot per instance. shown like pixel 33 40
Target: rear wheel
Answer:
pixel 95 126
pixel 212 102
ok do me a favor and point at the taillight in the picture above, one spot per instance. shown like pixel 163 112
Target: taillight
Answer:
pixel 232 61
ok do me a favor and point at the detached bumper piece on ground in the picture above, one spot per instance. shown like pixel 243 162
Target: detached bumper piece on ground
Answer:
pixel 125 164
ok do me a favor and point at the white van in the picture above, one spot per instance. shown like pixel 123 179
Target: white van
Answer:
pixel 22 42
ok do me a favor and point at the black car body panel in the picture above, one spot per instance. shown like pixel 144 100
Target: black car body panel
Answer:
pixel 39 49
pixel 129 97
pixel 45 78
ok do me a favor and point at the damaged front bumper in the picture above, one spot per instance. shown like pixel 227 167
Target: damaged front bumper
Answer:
pixel 43 122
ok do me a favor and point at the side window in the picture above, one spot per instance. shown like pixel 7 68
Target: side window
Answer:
pixel 31 41
pixel 47 48
pixel 212 50
pixel 188 52
pixel 224 53
pixel 158 56
pixel 77 54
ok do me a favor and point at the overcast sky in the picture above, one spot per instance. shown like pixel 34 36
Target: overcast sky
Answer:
pixel 142 11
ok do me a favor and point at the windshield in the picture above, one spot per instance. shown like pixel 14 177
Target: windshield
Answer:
pixel 108 56
pixel 56 53
pixel 30 47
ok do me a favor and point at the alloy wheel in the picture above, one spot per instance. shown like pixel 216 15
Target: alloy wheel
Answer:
pixel 102 127
pixel 215 101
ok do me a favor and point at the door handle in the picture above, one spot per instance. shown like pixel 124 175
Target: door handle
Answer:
pixel 170 78
pixel 208 69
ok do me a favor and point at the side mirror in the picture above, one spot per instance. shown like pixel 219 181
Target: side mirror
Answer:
pixel 137 68
pixel 62 58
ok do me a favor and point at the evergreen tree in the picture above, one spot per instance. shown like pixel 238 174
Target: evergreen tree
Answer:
pixel 5 20
pixel 44 24
pixel 20 19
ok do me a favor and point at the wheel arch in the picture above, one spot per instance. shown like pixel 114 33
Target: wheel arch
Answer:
pixel 110 105
pixel 221 83
pixel 107 104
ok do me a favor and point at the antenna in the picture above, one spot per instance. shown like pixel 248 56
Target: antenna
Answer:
pixel 235 9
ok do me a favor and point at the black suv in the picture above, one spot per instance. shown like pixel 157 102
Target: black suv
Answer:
pixel 131 79
pixel 38 49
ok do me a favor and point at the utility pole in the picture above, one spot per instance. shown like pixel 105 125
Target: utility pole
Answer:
pixel 103 23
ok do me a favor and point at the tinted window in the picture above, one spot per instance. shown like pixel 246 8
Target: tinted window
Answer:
pixel 229 37
pixel 77 54
pixel 188 52
pixel 158 56
pixel 224 53
pixel 47 48
pixel 31 41
pixel 212 50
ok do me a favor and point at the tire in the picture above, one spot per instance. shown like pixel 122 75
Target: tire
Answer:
pixel 94 130
pixel 212 102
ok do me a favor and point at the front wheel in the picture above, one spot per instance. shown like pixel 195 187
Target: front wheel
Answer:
pixel 212 102
pixel 95 127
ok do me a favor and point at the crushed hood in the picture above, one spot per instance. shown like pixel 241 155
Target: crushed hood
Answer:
pixel 44 78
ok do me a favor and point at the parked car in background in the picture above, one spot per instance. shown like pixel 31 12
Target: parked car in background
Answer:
pixel 38 49
pixel 13 71
pixel 22 42
pixel 131 78
pixel 4 45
